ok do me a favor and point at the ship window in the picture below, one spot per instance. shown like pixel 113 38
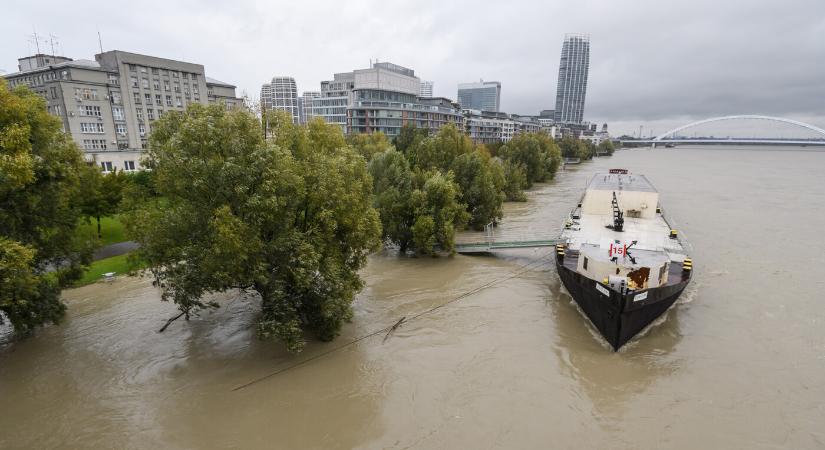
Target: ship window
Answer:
pixel 585 263
pixel 662 274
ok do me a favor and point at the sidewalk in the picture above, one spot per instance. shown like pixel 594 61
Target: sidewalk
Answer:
pixel 117 249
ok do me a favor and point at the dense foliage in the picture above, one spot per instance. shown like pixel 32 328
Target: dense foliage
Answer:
pixel 575 148
pixel 40 173
pixel 289 218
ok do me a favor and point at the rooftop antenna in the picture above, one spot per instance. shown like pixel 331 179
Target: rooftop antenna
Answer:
pixel 33 38
pixel 99 41
pixel 52 42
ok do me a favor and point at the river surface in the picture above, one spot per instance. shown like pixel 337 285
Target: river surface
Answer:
pixel 738 362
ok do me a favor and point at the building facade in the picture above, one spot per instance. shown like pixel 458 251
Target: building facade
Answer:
pixel 281 95
pixel 306 101
pixel 108 105
pixel 481 96
pixel 385 98
pixel 572 83
pixel 426 90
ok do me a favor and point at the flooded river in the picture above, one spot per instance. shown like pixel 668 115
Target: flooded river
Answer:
pixel 739 362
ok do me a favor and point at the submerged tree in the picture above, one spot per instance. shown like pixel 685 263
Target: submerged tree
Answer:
pixel 288 218
pixel 482 187
pixel 419 211
pixel 40 251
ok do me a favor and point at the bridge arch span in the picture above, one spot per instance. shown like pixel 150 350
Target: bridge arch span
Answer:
pixel 740 117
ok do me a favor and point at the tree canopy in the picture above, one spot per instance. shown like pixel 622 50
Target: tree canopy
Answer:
pixel 40 172
pixel 369 144
pixel 289 218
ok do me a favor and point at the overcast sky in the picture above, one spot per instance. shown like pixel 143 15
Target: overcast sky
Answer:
pixel 653 62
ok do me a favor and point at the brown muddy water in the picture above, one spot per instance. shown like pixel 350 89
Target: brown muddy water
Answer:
pixel 739 362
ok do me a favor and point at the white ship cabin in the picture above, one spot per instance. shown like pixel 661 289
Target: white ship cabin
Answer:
pixel 640 254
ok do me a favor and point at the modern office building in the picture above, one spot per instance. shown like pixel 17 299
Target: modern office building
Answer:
pixel 572 84
pixel 281 94
pixel 426 90
pixel 481 96
pixel 306 101
pixel 108 105
pixel 335 97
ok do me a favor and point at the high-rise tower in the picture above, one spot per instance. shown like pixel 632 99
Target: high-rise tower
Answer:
pixel 572 88
pixel 281 94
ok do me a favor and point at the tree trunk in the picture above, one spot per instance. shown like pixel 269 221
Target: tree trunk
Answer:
pixel 99 234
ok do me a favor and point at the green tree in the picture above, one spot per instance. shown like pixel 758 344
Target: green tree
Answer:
pixel 393 186
pixel 515 181
pixel 438 213
pixel 369 144
pixel 481 187
pixel 606 146
pixel 409 136
pixel 536 154
pixel 440 150
pixel 574 148
pixel 292 223
pixel 40 253
pixel 101 193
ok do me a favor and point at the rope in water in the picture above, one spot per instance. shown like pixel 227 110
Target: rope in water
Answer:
pixel 514 274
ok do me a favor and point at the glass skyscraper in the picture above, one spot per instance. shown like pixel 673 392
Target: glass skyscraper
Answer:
pixel 572 87
pixel 483 96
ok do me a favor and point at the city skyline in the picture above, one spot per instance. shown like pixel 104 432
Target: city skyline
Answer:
pixel 706 64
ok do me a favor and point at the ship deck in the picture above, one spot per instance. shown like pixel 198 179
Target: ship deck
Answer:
pixel 651 234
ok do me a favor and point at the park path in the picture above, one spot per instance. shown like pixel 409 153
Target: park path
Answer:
pixel 117 249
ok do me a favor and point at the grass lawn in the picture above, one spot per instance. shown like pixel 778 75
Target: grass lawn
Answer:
pixel 110 227
pixel 118 264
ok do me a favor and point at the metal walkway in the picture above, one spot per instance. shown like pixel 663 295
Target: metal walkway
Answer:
pixel 490 242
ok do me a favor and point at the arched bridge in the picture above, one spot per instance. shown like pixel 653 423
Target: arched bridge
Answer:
pixel 671 136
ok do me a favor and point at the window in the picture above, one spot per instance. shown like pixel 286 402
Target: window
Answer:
pixel 139 113
pixel 116 100
pixel 94 94
pixel 186 89
pixel 129 166
pixel 117 113
pixel 195 89
pixel 156 84
pixel 87 94
pixel 169 100
pixel 150 114
pixel 94 144
pixel 210 91
pixel 158 100
pixel 155 70
pixel 142 129
pixel 120 128
pixel 113 79
pixel 174 74
pixel 178 101
pixel 160 113
pixel 57 111
pixel 106 166
pixel 585 263
pixel 177 87
pixel 91 127
pixel 148 98
pixel 132 67
pixel 143 70
pixel 145 83
pixel 88 110
pixel 134 81
pixel 194 77
pixel 53 91
pixel 137 98
pixel 184 75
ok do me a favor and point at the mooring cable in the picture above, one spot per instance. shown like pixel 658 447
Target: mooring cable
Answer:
pixel 514 274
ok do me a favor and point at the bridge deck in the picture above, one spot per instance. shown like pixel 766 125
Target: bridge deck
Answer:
pixel 488 246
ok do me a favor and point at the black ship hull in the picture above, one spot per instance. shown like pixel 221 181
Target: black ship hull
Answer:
pixel 620 316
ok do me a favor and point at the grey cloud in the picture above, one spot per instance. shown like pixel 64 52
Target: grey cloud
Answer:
pixel 653 62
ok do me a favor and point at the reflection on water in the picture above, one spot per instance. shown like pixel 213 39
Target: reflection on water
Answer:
pixel 739 362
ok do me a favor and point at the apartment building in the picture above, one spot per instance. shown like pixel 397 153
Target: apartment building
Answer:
pixel 108 105
pixel 281 95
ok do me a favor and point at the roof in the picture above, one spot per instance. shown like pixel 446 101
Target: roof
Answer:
pixel 80 63
pixel 620 182
pixel 214 81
